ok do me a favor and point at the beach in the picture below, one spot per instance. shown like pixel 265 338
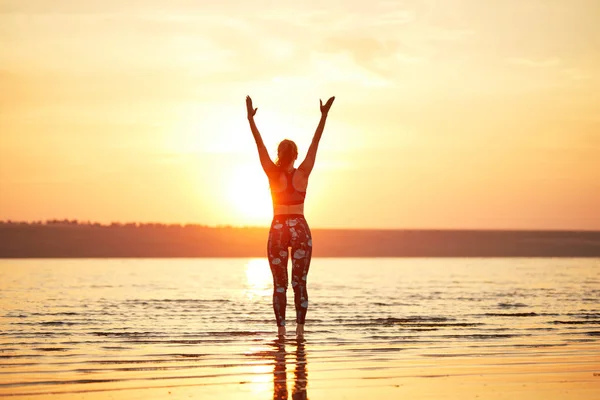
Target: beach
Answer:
pixel 503 328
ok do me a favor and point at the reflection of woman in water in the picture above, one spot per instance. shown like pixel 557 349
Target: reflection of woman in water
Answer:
pixel 289 228
pixel 280 391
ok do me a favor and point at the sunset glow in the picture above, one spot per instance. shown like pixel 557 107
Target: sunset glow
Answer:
pixel 456 115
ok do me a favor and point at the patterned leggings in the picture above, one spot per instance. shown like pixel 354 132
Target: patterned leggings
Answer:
pixel 289 231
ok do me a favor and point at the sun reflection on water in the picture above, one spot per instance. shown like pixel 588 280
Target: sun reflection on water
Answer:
pixel 261 380
pixel 259 279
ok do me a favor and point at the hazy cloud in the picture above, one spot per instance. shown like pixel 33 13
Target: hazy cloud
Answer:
pixel 543 63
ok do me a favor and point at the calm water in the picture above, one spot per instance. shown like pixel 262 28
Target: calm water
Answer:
pixel 95 325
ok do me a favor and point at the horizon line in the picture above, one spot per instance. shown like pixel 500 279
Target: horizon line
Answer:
pixel 119 224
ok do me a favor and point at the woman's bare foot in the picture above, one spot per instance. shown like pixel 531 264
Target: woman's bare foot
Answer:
pixel 281 331
pixel 300 331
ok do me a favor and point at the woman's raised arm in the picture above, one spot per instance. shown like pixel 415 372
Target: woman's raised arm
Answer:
pixel 266 162
pixel 309 162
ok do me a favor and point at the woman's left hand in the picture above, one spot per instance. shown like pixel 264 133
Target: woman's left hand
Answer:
pixel 325 108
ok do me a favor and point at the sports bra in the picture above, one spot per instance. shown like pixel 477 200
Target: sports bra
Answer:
pixel 290 195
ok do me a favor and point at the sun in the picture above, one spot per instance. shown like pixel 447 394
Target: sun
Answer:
pixel 249 195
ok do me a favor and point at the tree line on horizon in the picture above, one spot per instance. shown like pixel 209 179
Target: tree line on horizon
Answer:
pixel 87 224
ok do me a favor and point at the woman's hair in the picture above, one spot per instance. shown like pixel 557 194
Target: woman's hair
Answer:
pixel 287 152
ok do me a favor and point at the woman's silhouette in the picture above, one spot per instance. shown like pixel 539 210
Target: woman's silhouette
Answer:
pixel 289 228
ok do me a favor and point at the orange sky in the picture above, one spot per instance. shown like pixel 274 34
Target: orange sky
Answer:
pixel 456 114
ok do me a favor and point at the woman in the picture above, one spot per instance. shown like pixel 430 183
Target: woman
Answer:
pixel 289 229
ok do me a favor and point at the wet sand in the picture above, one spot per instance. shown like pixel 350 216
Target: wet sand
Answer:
pixel 289 369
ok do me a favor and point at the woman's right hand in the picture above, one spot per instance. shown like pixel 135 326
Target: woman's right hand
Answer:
pixel 251 111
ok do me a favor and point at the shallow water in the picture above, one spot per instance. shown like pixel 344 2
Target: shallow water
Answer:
pixel 83 326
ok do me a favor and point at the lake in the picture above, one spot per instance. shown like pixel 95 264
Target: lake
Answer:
pixel 380 328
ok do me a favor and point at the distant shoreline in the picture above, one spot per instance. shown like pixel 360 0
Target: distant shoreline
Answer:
pixel 63 239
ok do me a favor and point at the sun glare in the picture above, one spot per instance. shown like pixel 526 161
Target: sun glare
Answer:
pixel 249 196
